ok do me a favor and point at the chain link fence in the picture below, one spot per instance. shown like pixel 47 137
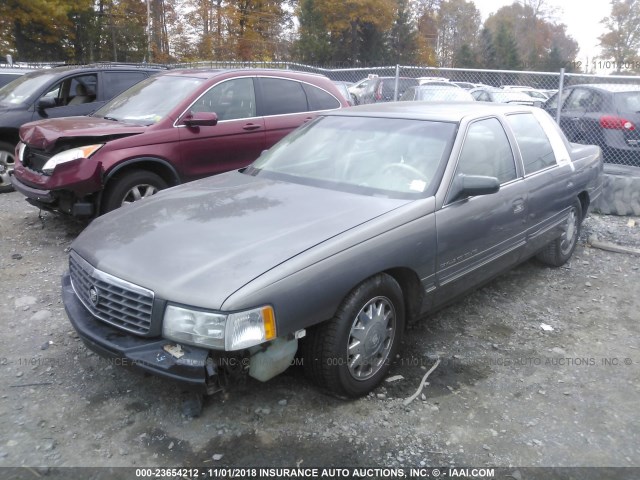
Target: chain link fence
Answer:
pixel 594 109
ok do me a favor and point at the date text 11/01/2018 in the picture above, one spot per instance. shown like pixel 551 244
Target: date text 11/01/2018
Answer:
pixel 312 472
pixel 604 65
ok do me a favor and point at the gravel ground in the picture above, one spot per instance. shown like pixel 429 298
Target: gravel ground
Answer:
pixel 538 368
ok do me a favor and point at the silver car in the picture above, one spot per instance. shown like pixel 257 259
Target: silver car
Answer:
pixel 329 244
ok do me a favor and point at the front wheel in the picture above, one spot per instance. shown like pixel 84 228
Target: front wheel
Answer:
pixel 350 354
pixel 7 162
pixel 558 252
pixel 131 187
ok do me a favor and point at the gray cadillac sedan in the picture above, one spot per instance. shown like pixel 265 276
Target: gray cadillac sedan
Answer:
pixel 329 244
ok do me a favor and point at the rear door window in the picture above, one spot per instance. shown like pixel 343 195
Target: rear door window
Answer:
pixel 115 83
pixel 281 96
pixel 535 148
pixel 319 99
pixel 628 102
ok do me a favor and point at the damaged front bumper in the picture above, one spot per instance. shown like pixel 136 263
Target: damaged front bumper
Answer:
pixel 194 368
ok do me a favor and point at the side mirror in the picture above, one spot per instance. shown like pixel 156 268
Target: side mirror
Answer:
pixel 201 119
pixel 473 185
pixel 45 103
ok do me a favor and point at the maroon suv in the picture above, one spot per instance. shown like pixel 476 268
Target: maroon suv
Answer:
pixel 171 128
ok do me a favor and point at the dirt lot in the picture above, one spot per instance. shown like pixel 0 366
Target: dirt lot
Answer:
pixel 539 368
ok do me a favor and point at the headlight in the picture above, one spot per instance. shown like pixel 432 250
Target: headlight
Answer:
pixel 69 155
pixel 21 147
pixel 234 331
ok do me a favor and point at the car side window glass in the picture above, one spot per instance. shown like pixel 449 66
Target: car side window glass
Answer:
pixel 553 101
pixel 535 147
pixel 281 96
pixel 319 99
pixel 487 152
pixel 579 99
pixel 230 100
pixel 117 82
pixel 75 90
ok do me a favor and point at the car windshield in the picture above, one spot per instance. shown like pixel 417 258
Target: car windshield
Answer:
pixel 444 94
pixel 149 101
pixel 23 87
pixel 373 156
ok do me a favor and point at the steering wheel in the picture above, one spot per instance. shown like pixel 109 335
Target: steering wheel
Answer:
pixel 406 169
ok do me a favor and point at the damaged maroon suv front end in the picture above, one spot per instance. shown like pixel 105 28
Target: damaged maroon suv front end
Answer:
pixel 79 175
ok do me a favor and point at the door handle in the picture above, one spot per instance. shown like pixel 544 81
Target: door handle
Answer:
pixel 518 205
pixel 251 126
pixel 307 119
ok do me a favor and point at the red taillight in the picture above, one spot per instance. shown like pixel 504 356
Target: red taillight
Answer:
pixel 616 123
pixel 379 91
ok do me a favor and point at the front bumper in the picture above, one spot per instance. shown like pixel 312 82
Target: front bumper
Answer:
pixel 194 370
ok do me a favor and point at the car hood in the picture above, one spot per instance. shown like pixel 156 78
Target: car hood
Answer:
pixel 44 134
pixel 198 243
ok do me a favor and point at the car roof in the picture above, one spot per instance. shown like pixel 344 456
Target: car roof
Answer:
pixel 438 111
pixel 93 67
pixel 611 87
pixel 207 73
pixel 14 69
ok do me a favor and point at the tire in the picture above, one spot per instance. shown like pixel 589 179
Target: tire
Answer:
pixel 620 191
pixel 7 161
pixel 373 311
pixel 130 187
pixel 558 252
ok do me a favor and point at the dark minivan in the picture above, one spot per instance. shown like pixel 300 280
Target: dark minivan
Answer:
pixel 173 127
pixel 58 92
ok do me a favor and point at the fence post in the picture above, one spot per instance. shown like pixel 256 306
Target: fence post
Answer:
pixel 560 87
pixel 395 88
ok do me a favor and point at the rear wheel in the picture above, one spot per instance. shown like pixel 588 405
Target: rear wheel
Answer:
pixel 7 162
pixel 350 354
pixel 558 252
pixel 131 187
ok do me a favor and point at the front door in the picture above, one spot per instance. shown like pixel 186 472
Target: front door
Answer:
pixel 478 237
pixel 236 140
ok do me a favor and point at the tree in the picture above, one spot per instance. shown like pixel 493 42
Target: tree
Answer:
pixel 458 22
pixel 404 47
pixel 530 26
pixel 465 57
pixel 622 42
pixel 486 50
pixel 314 42
pixel 507 57
pixel 348 19
pixel 40 29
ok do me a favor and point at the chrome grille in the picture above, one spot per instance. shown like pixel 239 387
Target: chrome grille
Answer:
pixel 112 300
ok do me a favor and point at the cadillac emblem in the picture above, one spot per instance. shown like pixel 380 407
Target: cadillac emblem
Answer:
pixel 93 296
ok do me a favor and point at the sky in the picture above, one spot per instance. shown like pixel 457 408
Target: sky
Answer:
pixel 581 17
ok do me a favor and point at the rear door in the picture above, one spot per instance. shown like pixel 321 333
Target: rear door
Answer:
pixel 548 175
pixel 236 140
pixel 285 104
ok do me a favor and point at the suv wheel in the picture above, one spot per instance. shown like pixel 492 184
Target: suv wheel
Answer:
pixel 131 187
pixel 7 161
